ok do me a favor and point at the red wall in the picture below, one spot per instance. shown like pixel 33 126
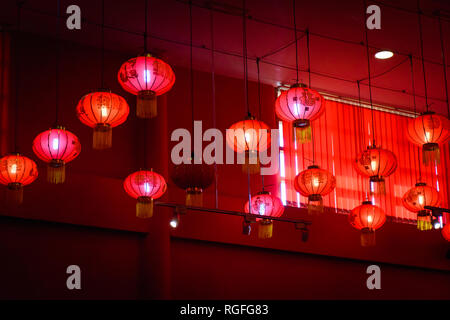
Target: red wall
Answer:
pixel 127 265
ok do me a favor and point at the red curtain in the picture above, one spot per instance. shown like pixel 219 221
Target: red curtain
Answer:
pixel 340 134
pixel 4 90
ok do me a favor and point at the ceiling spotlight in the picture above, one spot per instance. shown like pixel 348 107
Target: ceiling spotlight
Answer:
pixel 175 220
pixel 384 54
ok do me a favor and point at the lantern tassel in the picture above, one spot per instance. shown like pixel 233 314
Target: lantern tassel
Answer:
pixel 424 221
pixel 14 196
pixel 367 237
pixel 315 204
pixel 251 163
pixel 303 134
pixel 144 207
pixel 378 186
pixel 431 153
pixel 56 172
pixel 146 106
pixel 102 138
pixel 265 229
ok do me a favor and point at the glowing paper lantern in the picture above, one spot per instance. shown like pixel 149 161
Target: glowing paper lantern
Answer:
pixel 377 164
pixel 57 147
pixel 147 77
pixel 266 206
pixel 145 186
pixel 194 178
pixel 299 105
pixel 367 218
pixel 415 200
pixel 250 137
pixel 428 131
pixel 102 111
pixel 314 183
pixel 17 171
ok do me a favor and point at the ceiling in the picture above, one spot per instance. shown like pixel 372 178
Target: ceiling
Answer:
pixel 338 57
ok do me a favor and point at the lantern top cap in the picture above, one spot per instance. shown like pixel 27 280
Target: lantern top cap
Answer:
pixel 420 184
pixel 299 85
pixel 57 126
pixel 250 117
pixel 367 202
pixel 314 166
pixel 427 113
pixel 263 192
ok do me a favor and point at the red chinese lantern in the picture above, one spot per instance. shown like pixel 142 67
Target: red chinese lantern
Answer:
pixel 367 218
pixel 314 183
pixel 415 200
pixel 446 232
pixel 145 185
pixel 147 77
pixel 299 105
pixel 194 178
pixel 17 171
pixel 377 164
pixel 265 205
pixel 429 130
pixel 102 111
pixel 57 147
pixel 249 137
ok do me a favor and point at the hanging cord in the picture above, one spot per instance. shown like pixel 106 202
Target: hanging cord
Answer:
pixel 17 67
pixel 413 87
pixel 58 48
pixel 441 35
pixel 102 79
pixel 369 75
pixel 295 37
pixel 244 50
pixel 213 80
pixel 145 60
pixel 419 15
pixel 361 128
pixel 309 57
pixel 259 105
pixel 191 66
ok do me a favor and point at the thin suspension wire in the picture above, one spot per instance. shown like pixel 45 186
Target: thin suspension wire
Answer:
pixel 295 37
pixel 191 65
pixel 361 129
pixel 17 67
pixel 309 57
pixel 369 74
pixel 413 87
pixel 419 15
pixel 244 50
pixel 259 106
pixel 58 48
pixel 103 47
pixel 441 36
pixel 213 80
pixel 145 26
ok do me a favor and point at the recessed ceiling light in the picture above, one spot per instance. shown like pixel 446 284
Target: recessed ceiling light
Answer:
pixel 385 54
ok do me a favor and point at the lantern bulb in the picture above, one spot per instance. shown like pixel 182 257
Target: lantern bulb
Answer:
pixel 373 164
pixel 421 199
pixel 262 209
pixel 13 169
pixel 369 219
pixel 147 76
pixel 104 111
pixel 316 182
pixel 428 135
pixel 55 144
pixel 146 187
